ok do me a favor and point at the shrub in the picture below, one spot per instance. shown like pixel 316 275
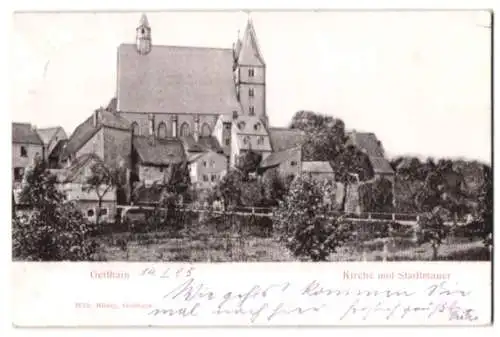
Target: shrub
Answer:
pixel 300 223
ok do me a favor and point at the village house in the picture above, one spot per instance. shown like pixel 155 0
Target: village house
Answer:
pixel 368 143
pixel 54 139
pixel 26 146
pixel 105 134
pixel 318 170
pixel 154 159
pixel 288 162
pixel 73 182
pixel 206 169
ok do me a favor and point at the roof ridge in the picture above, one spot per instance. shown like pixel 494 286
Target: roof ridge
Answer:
pixel 179 46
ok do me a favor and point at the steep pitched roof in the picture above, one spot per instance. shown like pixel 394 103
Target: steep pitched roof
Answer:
pixel 46 134
pixel 176 79
pixel 249 52
pixel 316 167
pixel 24 133
pixel 283 138
pixel 160 151
pixel 85 131
pixel 57 151
pixel 277 158
pixel 369 144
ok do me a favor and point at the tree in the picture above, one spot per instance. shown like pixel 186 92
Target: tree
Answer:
pixel 252 193
pixel 229 188
pixel 431 229
pixel 324 135
pixel 301 225
pixel 101 180
pixel 55 229
pixel 486 206
pixel 275 187
pixel 351 165
pixel 248 162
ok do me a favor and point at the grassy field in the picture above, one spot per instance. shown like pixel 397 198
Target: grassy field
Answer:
pixel 161 246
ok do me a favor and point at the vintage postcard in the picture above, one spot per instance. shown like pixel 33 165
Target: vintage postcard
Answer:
pixel 267 168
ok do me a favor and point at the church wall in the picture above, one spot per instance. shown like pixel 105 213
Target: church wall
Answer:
pixel 142 120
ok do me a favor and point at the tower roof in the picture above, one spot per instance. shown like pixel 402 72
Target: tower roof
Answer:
pixel 249 52
pixel 144 21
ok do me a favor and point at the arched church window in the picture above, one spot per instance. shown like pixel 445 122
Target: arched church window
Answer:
pixel 135 128
pixel 205 130
pixel 162 130
pixel 185 131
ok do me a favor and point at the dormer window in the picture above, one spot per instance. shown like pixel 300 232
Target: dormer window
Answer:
pixel 256 127
pixel 241 125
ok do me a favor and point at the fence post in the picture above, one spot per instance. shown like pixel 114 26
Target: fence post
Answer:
pixel 386 251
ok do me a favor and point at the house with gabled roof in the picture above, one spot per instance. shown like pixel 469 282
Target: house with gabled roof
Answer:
pixel 105 134
pixel 26 146
pixel 154 159
pixel 368 143
pixel 52 137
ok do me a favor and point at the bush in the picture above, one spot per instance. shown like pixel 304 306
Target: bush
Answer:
pixel 36 239
pixel 300 223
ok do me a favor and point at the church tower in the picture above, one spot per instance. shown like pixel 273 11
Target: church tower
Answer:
pixel 143 36
pixel 250 74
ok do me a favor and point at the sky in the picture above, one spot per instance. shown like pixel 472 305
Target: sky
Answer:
pixel 419 80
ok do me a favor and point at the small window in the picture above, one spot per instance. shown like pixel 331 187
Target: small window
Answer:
pixel 161 169
pixel 260 141
pixel 213 177
pixel 256 127
pixel 250 92
pixel 18 173
pixel 293 163
pixel 228 126
pixel 241 125
pixel 205 177
pixel 212 163
pixel 251 110
pixel 228 142
pixel 246 140
pixel 204 164
pixel 251 72
pixel 24 152
pixel 90 213
pixel 104 211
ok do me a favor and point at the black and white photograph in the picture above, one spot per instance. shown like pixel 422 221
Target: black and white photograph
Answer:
pixel 252 136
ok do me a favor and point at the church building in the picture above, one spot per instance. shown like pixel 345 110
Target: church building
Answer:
pixel 182 92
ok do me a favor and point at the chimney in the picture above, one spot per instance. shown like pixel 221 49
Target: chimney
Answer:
pixel 96 117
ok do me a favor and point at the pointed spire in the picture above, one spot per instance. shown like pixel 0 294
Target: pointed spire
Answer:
pixel 144 20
